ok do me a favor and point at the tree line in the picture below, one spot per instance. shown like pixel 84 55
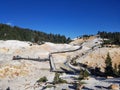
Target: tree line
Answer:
pixel 114 37
pixel 8 32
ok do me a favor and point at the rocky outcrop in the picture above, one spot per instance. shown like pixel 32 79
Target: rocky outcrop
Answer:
pixel 114 87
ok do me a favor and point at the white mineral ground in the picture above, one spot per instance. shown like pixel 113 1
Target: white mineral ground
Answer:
pixel 23 74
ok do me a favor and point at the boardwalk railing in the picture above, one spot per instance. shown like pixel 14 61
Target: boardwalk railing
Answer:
pixel 34 59
pixel 50 59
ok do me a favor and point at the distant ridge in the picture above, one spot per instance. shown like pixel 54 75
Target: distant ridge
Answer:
pixel 8 32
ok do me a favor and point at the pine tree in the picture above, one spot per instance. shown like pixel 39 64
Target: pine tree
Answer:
pixel 119 70
pixel 115 71
pixel 108 68
pixel 36 39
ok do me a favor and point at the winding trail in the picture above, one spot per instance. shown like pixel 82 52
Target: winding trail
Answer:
pixel 51 60
pixel 67 51
pixel 67 63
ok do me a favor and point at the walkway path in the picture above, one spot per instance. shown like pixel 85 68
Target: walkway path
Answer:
pixel 52 64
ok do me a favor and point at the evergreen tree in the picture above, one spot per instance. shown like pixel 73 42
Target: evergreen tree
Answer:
pixel 36 39
pixel 108 68
pixel 119 70
pixel 114 37
pixel 115 71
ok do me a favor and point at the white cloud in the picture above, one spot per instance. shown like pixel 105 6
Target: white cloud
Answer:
pixel 8 23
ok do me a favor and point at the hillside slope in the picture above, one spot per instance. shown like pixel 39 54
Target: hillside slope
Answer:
pixel 96 57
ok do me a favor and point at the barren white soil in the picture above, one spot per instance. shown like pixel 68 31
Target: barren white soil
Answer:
pixel 23 74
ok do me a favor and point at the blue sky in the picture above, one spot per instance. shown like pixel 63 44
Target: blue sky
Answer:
pixel 67 17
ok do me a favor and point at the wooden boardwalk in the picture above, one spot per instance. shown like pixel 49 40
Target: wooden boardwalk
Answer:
pixel 50 59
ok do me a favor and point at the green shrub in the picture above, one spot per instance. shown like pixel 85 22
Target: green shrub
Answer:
pixel 83 74
pixel 62 81
pixel 57 79
pixel 43 79
pixel 81 82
